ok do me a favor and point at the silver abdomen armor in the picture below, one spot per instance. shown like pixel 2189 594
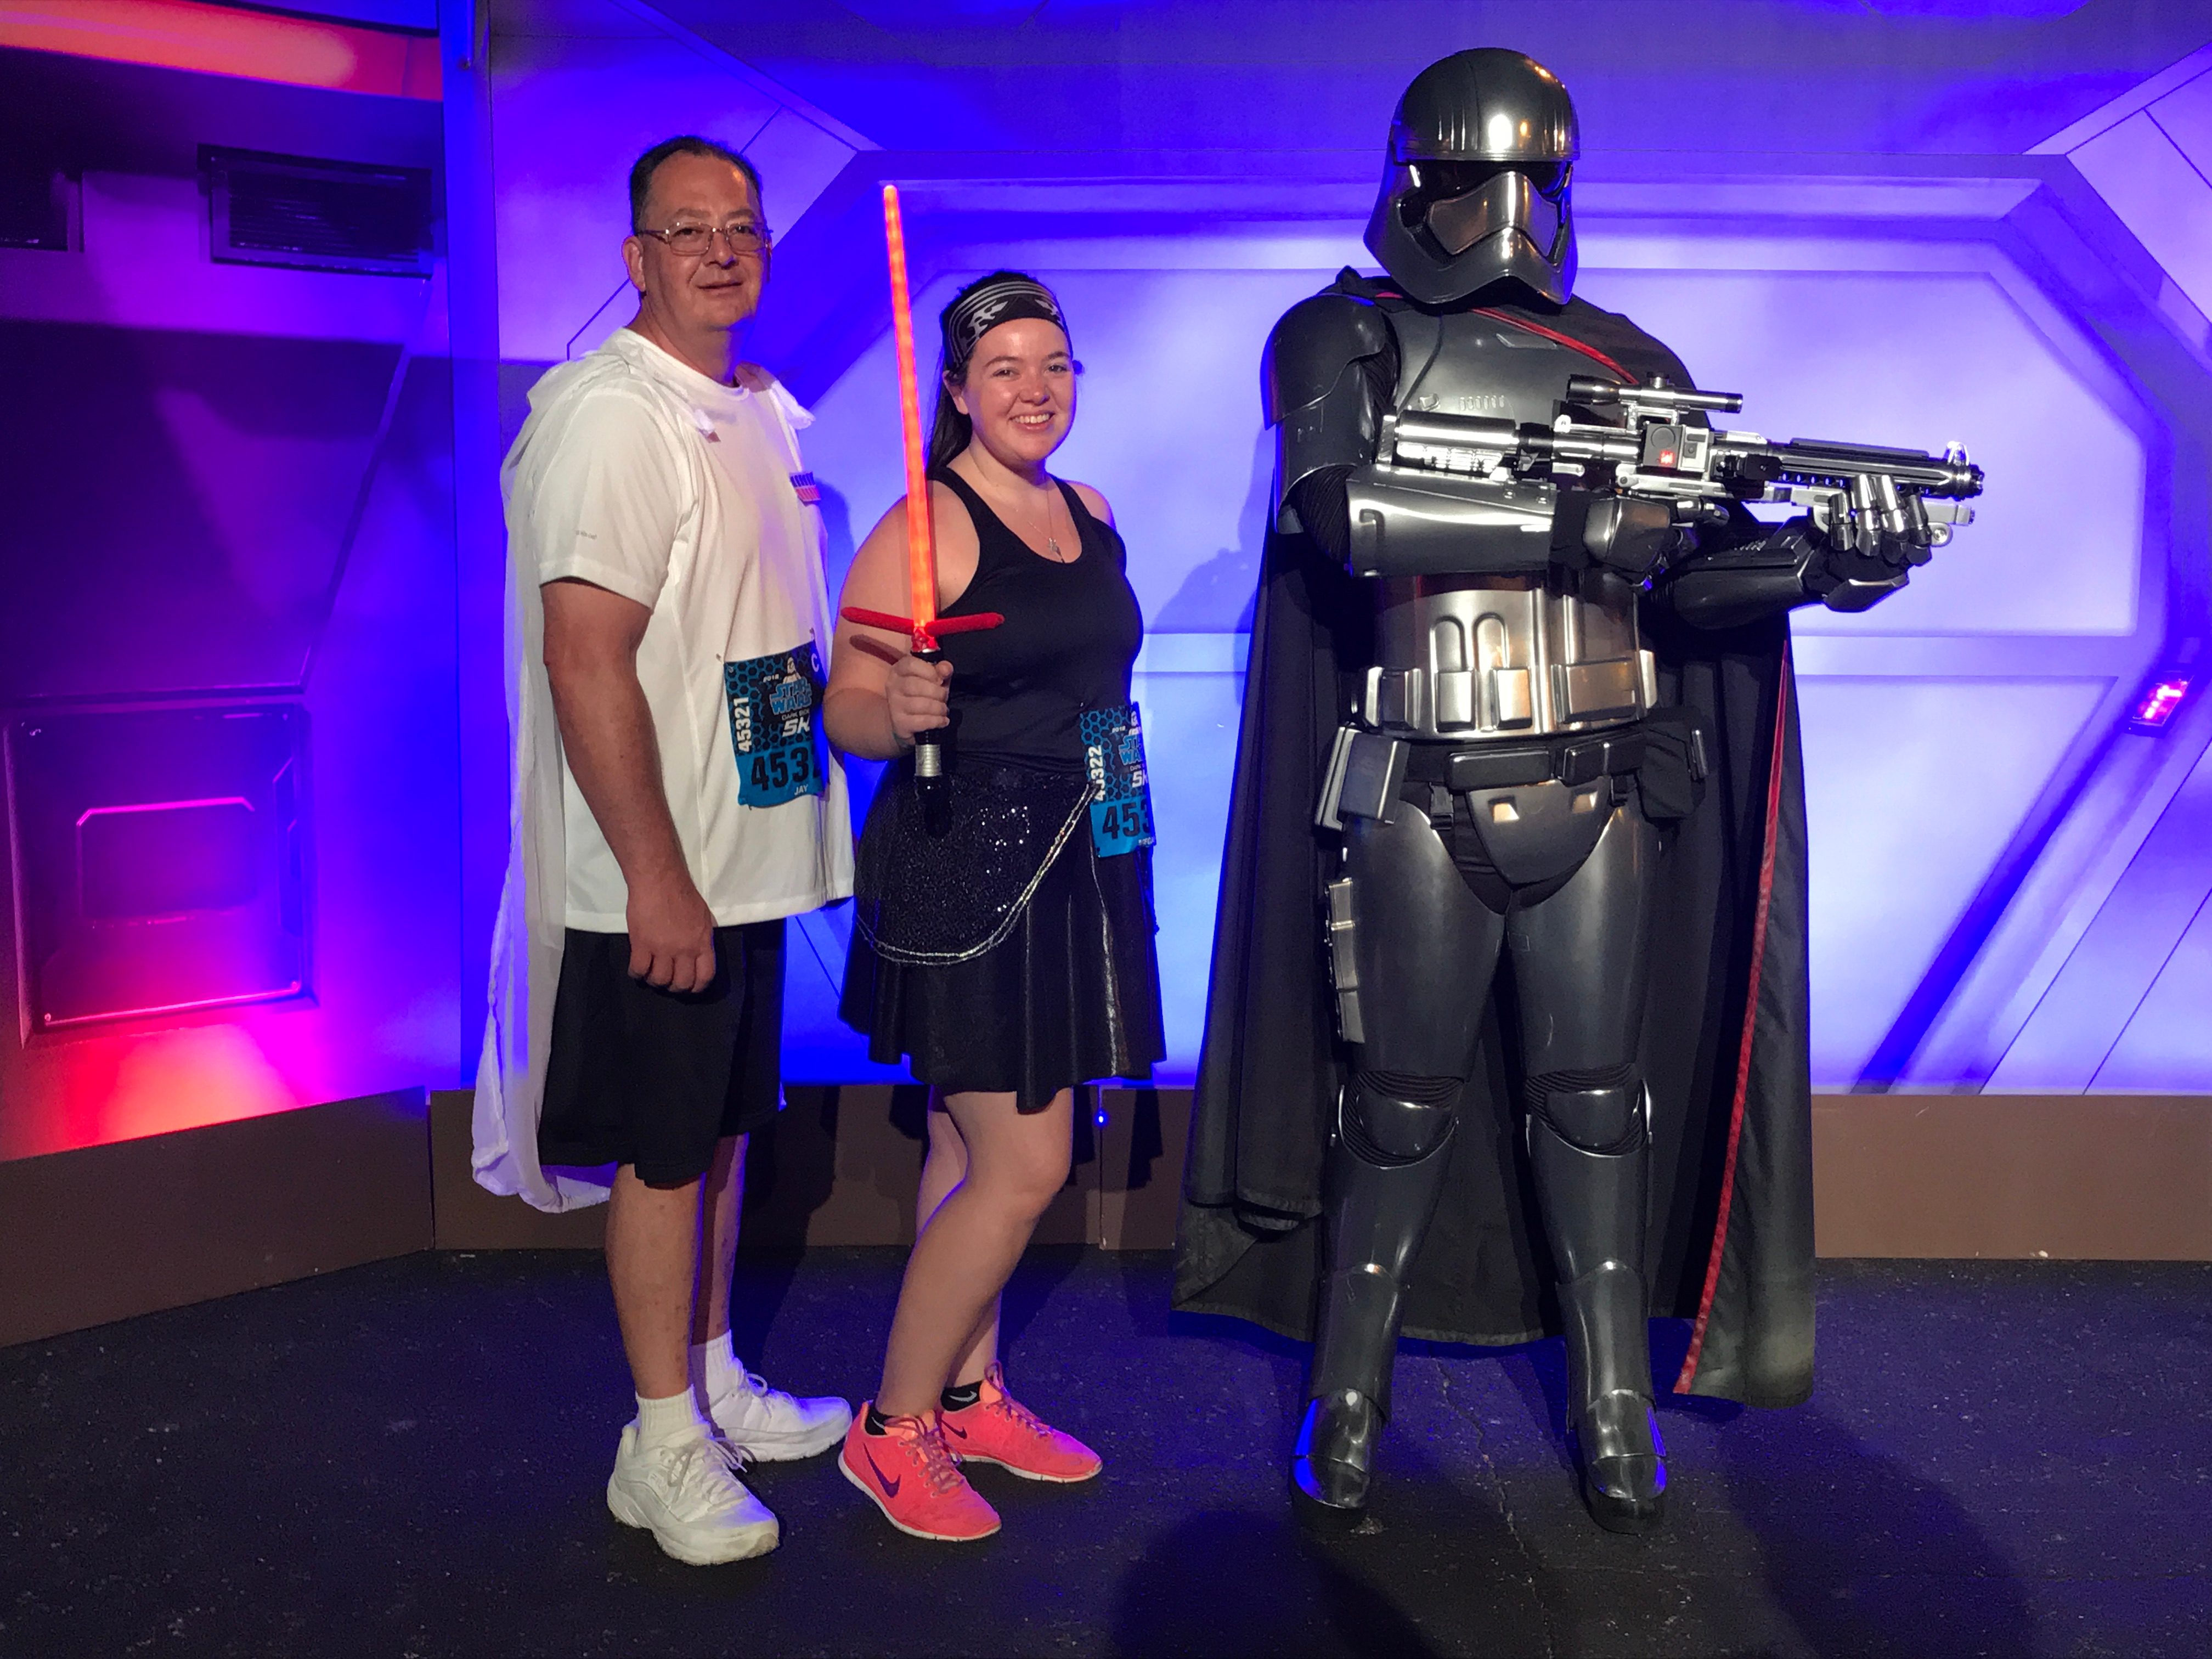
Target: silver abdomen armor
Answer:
pixel 1477 658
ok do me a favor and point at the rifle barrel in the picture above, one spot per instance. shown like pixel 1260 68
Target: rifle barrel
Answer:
pixel 1813 460
pixel 1744 460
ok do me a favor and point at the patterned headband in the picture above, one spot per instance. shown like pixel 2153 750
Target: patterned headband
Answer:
pixel 982 309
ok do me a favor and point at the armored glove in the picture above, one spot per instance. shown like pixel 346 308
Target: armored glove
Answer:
pixel 1848 553
pixel 1868 546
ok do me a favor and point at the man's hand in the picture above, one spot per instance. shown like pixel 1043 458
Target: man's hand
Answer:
pixel 672 934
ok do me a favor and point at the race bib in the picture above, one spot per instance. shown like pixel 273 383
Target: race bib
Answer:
pixel 775 725
pixel 1121 800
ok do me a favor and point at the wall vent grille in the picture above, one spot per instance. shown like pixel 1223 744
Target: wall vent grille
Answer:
pixel 312 215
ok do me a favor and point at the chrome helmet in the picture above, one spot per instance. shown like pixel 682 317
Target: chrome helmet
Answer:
pixel 1474 188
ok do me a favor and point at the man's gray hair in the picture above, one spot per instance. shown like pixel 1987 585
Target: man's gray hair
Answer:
pixel 641 175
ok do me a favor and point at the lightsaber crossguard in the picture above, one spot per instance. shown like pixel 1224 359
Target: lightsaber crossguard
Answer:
pixel 924 626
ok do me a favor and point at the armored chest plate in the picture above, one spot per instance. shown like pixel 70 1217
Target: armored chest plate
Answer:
pixel 1463 364
pixel 1484 658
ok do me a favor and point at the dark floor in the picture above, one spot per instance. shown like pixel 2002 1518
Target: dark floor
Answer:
pixel 408 1460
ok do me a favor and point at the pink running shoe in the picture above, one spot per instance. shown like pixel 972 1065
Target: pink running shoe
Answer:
pixel 913 1480
pixel 999 1428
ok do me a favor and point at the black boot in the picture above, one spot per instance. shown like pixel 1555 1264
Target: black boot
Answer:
pixel 1336 1453
pixel 1379 1195
pixel 1594 1211
pixel 1617 1444
pixel 1623 1464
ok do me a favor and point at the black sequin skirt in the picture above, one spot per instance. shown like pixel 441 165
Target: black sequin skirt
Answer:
pixel 1005 956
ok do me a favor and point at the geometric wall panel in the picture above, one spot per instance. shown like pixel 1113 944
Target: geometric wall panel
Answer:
pixel 569 123
pixel 2126 1010
pixel 1912 788
pixel 2148 179
pixel 2167 1044
pixel 193 546
pixel 159 860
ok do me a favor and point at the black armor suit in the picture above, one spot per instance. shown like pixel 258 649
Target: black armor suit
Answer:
pixel 1505 762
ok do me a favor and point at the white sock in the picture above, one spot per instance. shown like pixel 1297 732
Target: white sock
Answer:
pixel 716 1366
pixel 659 1422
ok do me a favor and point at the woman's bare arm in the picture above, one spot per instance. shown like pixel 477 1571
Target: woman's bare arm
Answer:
pixel 879 695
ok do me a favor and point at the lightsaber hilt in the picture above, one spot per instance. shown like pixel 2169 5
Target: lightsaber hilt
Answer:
pixel 931 783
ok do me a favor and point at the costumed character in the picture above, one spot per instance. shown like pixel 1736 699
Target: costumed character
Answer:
pixel 1519 689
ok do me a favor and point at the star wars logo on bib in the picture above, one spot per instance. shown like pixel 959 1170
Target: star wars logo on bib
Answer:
pixel 1122 799
pixel 776 725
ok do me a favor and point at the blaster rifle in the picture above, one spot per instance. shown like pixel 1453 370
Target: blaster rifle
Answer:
pixel 1659 455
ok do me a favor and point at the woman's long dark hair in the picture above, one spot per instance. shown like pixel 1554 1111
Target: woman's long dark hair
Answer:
pixel 950 431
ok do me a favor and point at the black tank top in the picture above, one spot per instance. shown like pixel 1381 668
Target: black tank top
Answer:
pixel 1070 635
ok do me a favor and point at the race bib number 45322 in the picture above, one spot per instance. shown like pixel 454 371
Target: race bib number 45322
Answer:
pixel 1121 798
pixel 776 723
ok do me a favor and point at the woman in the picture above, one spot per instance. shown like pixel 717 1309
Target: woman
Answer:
pixel 1003 944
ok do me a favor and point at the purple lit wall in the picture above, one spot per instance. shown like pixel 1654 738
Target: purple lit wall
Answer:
pixel 243 490
pixel 228 628
pixel 1921 280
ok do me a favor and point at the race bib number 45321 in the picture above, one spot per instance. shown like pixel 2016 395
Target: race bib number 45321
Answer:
pixel 776 725
pixel 1120 798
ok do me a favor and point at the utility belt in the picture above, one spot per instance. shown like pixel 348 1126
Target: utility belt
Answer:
pixel 1665 752
pixel 1573 762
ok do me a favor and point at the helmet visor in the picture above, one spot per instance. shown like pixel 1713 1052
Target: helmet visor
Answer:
pixel 1509 200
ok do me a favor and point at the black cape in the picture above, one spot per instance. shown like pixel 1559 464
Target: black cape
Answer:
pixel 1725 1046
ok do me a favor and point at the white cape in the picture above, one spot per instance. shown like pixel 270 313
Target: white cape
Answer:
pixel 527 939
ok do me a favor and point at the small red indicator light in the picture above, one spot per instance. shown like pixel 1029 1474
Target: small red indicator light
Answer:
pixel 2159 704
pixel 1666 458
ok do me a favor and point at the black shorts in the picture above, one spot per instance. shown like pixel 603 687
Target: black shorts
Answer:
pixel 653 1077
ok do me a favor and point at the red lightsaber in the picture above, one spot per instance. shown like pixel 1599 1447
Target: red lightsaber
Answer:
pixel 924 626
pixel 920 531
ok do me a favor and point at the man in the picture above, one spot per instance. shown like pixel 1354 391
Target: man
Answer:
pixel 1566 749
pixel 668 615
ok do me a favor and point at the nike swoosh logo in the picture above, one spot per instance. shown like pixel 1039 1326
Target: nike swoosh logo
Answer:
pixel 891 1487
pixel 952 1429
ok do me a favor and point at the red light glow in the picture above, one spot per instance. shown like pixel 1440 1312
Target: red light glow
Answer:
pixel 214 39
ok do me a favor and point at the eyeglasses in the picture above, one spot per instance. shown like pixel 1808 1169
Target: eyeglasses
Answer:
pixel 689 241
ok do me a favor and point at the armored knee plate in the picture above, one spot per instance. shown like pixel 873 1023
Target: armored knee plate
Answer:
pixel 1591 1156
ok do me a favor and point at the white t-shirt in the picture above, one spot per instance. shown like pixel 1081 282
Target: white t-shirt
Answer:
pixel 640 475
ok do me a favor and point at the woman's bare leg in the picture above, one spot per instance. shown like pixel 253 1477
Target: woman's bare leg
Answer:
pixel 942 1169
pixel 1015 1164
pixel 944 1161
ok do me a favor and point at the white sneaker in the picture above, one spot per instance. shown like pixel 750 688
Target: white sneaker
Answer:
pixel 687 1495
pixel 767 1424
